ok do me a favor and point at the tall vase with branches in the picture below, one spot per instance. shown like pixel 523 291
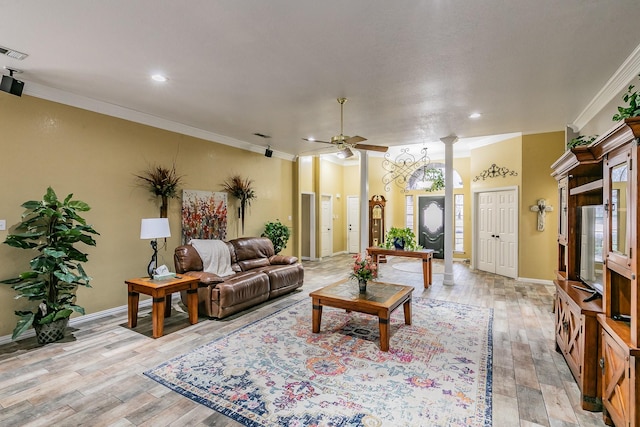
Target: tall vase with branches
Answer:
pixel 242 190
pixel 163 182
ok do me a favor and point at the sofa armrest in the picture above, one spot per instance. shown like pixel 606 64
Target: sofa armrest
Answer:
pixel 283 260
pixel 205 278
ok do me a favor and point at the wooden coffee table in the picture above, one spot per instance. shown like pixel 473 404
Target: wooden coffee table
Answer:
pixel 380 300
pixel 160 291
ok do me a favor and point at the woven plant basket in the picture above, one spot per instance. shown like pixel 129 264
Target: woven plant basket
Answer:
pixel 51 332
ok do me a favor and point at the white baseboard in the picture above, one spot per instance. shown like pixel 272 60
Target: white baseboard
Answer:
pixel 75 321
pixel 536 281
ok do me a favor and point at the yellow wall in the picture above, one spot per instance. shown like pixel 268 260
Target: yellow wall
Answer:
pixel 507 154
pixel 95 157
pixel 538 249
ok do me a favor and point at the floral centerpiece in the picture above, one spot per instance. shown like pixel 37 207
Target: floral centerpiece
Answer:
pixel 364 269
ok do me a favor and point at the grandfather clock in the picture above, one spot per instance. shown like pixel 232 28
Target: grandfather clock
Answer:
pixel 376 220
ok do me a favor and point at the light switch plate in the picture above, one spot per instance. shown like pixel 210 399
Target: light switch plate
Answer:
pixel 3 224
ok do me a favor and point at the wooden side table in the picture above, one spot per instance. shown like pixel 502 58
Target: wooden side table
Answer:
pixel 160 291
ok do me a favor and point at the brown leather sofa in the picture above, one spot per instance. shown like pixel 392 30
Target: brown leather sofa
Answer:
pixel 260 275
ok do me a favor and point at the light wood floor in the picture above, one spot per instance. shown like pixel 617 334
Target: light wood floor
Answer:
pixel 94 376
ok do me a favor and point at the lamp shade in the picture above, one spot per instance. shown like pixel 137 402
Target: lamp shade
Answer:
pixel 154 228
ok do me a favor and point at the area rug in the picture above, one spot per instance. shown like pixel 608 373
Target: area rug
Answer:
pixel 276 372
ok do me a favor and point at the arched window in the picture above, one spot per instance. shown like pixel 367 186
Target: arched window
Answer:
pixel 418 180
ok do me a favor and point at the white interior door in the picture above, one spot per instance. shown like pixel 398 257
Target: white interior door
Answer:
pixel 327 226
pixel 507 234
pixel 353 224
pixel 497 232
pixel 485 232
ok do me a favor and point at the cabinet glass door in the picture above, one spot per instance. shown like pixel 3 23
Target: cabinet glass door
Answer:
pixel 618 208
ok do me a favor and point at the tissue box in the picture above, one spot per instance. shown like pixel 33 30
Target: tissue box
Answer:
pixel 164 276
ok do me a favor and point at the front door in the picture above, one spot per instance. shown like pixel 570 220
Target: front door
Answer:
pixel 431 224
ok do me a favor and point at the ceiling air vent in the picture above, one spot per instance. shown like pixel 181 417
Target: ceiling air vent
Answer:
pixel 262 135
pixel 12 53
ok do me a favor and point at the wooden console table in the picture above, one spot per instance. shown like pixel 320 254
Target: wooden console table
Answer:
pixel 426 255
pixel 160 291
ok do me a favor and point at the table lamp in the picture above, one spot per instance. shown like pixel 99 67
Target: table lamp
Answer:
pixel 154 228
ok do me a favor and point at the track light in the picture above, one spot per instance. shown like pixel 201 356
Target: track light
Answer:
pixel 11 85
pixel 268 152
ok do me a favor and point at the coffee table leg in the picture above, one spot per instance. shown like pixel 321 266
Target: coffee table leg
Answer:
pixel 192 303
pixel 134 298
pixel 384 333
pixel 157 312
pixel 317 317
pixel 407 312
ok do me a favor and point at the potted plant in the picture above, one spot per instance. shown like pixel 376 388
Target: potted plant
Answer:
pixel 278 233
pixel 240 189
pixel 161 182
pixel 401 238
pixel 581 140
pixel 51 227
pixel 633 107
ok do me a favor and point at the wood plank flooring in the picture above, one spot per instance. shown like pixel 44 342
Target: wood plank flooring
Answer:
pixel 94 376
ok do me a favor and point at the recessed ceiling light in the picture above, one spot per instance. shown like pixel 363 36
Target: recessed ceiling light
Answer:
pixel 311 139
pixel 475 115
pixel 159 78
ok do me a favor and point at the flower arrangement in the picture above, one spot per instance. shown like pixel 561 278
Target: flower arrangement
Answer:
pixel 364 269
pixel 242 190
pixel 161 181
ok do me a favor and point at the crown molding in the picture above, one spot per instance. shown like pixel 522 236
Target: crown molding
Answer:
pixel 617 83
pixel 90 104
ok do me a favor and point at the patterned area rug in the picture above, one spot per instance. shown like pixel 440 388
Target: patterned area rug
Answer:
pixel 276 372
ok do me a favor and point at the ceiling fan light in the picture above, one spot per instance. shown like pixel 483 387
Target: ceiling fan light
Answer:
pixel 345 153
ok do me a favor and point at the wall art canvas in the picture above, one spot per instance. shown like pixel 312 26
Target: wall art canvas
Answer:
pixel 204 215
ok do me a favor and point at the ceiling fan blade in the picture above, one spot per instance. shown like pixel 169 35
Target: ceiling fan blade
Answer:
pixel 378 148
pixel 355 140
pixel 316 140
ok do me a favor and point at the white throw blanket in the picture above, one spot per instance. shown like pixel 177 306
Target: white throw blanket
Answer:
pixel 215 256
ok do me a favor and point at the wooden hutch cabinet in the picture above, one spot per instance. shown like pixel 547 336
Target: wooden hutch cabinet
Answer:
pixel 603 175
pixel 579 175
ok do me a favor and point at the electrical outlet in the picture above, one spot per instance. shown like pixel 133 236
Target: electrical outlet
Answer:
pixel 3 224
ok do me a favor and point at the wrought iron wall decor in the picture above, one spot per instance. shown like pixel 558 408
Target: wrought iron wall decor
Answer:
pixel 494 172
pixel 401 169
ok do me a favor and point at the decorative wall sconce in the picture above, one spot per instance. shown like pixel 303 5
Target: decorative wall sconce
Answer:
pixel 494 172
pixel 400 169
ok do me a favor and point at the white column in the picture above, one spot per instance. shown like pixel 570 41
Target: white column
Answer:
pixel 448 208
pixel 364 200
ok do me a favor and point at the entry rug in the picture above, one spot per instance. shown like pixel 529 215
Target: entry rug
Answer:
pixel 276 372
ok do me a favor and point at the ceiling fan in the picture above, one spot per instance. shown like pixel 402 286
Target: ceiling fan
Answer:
pixel 345 143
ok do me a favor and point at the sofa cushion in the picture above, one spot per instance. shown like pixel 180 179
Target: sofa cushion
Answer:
pixel 284 278
pixel 252 248
pixel 204 278
pixel 186 258
pixel 250 264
